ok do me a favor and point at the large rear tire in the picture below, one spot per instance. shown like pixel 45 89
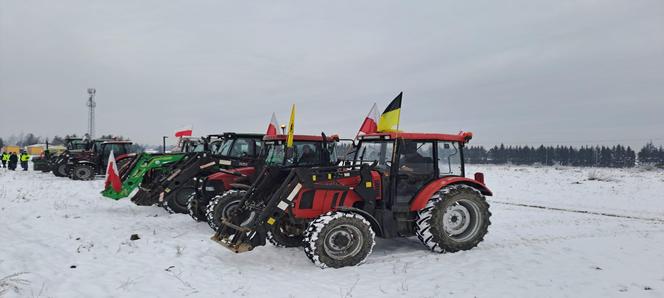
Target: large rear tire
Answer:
pixel 455 218
pixel 339 239
pixel 177 202
pixel 222 206
pixel 83 172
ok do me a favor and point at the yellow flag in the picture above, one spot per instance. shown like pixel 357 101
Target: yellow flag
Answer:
pixel 291 128
pixel 389 120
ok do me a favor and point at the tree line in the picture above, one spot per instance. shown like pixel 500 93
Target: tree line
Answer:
pixel 617 156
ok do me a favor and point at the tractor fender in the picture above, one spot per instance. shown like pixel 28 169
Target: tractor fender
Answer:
pixel 422 197
pixel 372 220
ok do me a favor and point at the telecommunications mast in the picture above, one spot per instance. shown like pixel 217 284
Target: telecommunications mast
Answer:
pixel 91 114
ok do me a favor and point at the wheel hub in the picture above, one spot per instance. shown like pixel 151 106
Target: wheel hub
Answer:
pixel 342 242
pixel 456 219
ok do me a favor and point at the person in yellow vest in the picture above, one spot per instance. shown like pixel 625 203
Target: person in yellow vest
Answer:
pixel 25 157
pixel 5 159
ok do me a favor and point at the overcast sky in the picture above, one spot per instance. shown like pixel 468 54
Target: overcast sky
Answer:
pixel 572 72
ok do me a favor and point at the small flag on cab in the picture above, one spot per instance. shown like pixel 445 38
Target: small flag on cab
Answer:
pixel 185 131
pixel 272 128
pixel 389 120
pixel 291 128
pixel 370 124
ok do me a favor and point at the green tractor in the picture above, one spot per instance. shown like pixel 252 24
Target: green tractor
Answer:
pixel 133 172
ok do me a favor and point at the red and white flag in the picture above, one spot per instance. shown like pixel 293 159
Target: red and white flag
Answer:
pixel 184 132
pixel 273 127
pixel 370 124
pixel 112 174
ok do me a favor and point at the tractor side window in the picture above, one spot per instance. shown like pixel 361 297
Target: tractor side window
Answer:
pixel 449 159
pixel 240 148
pixel 332 149
pixel 416 168
pixel 416 157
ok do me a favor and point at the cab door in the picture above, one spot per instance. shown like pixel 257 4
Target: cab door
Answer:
pixel 415 168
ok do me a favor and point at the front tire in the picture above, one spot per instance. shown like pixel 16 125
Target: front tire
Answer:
pixel 339 239
pixel 455 218
pixel 60 170
pixel 177 202
pixel 283 234
pixel 222 206
pixel 195 207
pixel 83 172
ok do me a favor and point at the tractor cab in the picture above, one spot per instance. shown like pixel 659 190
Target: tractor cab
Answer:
pixel 406 162
pixel 307 151
pixel 117 147
pixel 235 149
pixel 190 144
pixel 75 144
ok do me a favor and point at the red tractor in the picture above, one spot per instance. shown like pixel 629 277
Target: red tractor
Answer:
pixel 220 192
pixel 399 185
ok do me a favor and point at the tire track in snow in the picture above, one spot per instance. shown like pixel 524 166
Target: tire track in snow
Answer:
pixel 657 220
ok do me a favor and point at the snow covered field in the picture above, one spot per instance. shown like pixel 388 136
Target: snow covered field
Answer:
pixel 65 240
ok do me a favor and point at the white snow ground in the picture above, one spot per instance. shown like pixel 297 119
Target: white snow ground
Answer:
pixel 48 225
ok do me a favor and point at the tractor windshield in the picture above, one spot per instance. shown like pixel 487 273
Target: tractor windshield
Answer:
pixel 375 151
pixel 216 147
pixel 193 146
pixel 77 145
pixel 303 154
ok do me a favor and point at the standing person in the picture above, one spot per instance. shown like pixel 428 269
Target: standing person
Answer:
pixel 25 157
pixel 5 159
pixel 13 159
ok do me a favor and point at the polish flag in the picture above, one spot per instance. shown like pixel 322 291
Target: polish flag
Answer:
pixel 184 132
pixel 112 174
pixel 273 127
pixel 370 124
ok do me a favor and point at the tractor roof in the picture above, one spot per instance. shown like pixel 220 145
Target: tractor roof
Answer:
pixel 462 137
pixel 117 142
pixel 314 138
pixel 243 135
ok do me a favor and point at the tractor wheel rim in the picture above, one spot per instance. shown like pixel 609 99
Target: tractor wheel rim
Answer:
pixel 343 241
pixel 83 172
pixel 461 220
pixel 230 207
